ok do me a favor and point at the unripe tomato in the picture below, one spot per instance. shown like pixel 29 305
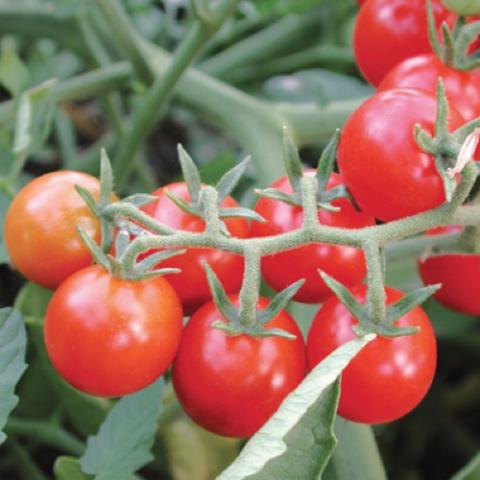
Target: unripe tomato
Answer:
pixel 463 7
pixel 109 336
pixel 40 232
pixel 390 376
pixel 231 385
pixel 383 167
pixel 390 31
pixel 344 263
pixel 191 284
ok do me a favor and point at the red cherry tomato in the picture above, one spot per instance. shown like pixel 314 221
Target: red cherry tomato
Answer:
pixel 389 31
pixel 109 336
pixel 40 232
pixel 422 72
pixel 457 272
pixel 344 263
pixel 390 376
pixel 191 284
pixel 387 173
pixel 231 385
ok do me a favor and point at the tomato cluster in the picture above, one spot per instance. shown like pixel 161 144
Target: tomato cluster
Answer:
pixel 109 334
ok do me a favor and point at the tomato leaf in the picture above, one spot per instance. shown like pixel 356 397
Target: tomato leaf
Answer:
pixel 68 468
pixel 14 75
pixel 13 341
pixel 471 471
pixel 125 438
pixel 298 440
pixel 4 204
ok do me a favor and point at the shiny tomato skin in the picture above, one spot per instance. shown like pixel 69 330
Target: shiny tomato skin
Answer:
pixel 384 169
pixel 390 376
pixel 390 31
pixel 191 284
pixel 40 232
pixel 109 336
pixel 346 264
pixel 459 275
pixel 422 72
pixel 231 385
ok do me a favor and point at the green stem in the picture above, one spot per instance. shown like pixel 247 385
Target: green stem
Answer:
pixel 45 433
pixel 250 286
pixel 25 463
pixel 376 291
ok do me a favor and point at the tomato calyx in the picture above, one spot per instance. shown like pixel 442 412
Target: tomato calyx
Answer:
pixel 452 150
pixel 200 198
pixel 293 165
pixel 237 321
pixel 385 326
pixel 454 50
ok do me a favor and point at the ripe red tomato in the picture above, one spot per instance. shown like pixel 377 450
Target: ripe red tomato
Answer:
pixel 422 72
pixel 344 263
pixel 231 385
pixel 40 225
pixel 191 284
pixel 389 31
pixel 390 376
pixel 109 336
pixel 387 173
pixel 457 272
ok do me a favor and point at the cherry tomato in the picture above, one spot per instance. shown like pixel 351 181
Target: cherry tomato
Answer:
pixel 389 31
pixel 109 336
pixel 390 376
pixel 40 232
pixel 387 173
pixel 231 385
pixel 457 272
pixel 191 284
pixel 463 7
pixel 344 263
pixel 422 72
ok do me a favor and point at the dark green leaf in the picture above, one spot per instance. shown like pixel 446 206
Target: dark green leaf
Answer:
pixel 68 468
pixel 14 74
pixel 298 440
pixel 190 173
pixel 230 180
pixel 13 341
pixel 125 438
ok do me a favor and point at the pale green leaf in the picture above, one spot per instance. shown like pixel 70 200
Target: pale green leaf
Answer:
pixel 14 74
pixel 68 468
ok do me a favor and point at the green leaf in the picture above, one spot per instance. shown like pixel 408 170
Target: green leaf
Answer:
pixel 230 180
pixel 357 456
pixel 190 173
pixel 298 440
pixel 125 438
pixel 34 119
pixel 68 468
pixel 13 344
pixel 471 471
pixel 4 204
pixel 14 75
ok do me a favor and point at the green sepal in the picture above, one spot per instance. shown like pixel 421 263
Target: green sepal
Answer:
pixel 106 178
pixel 432 31
pixel 156 258
pixel 467 34
pixel 294 199
pixel 326 162
pixel 132 228
pixel 190 173
pixel 449 183
pixel 154 273
pixel 237 329
pixel 441 119
pixel 97 253
pixel 139 199
pixel 88 199
pixel 383 330
pixel 122 240
pixel 409 301
pixel 293 164
pixel 230 179
pixel 278 302
pixel 220 297
pixel 424 140
pixel 344 295
pixel 241 212
pixel 190 208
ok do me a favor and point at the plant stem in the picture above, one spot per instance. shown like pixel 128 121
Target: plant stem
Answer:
pixel 28 468
pixel 45 433
pixel 376 291
pixel 250 286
